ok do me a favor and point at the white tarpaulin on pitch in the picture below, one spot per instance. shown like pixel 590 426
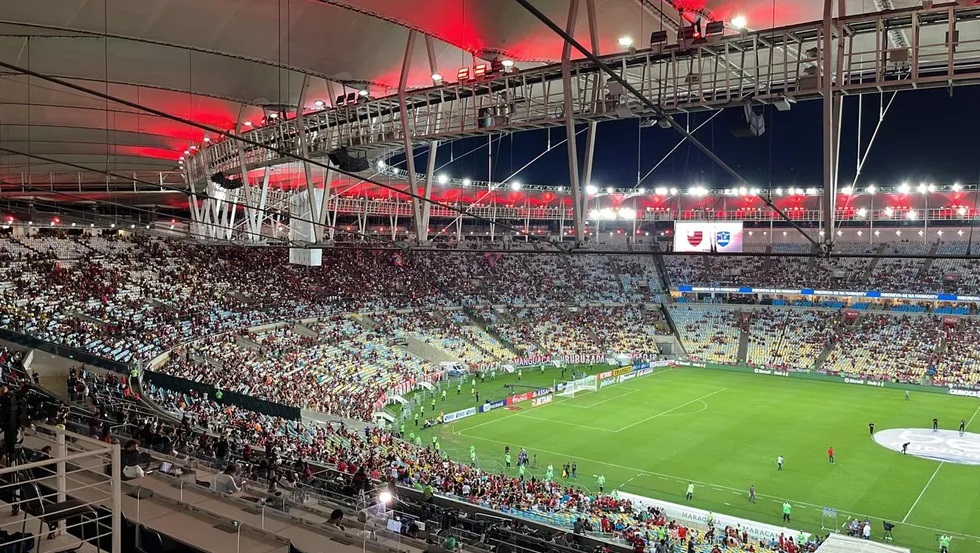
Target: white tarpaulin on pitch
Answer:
pixel 837 543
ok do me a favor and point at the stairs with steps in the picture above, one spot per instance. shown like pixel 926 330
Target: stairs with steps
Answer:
pixel 871 268
pixel 924 269
pixel 743 337
pixel 303 330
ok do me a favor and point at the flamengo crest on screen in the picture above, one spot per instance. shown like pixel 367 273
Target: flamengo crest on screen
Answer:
pixel 694 238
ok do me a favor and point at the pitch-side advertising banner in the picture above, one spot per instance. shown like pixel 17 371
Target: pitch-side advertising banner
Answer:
pixel 699 517
pixel 703 236
pixel 450 417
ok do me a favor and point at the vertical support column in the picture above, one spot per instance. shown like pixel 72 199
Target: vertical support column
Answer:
pixel 566 79
pixel 117 505
pixel 590 133
pixel 307 170
pixel 830 116
pixel 407 133
pixel 324 219
pixel 429 176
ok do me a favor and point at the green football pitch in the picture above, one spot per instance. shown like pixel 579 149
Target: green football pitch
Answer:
pixel 723 431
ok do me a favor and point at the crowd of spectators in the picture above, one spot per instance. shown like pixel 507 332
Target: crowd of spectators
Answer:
pixel 875 271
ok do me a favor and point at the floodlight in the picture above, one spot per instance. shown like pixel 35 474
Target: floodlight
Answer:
pixel 956 187
pixel 889 211
pixel 385 497
pixel 363 93
pixel 625 41
pixel 862 212
pixel 610 190
pixel 660 191
pixel 714 28
pixel 673 191
pixel 507 63
pixel 658 37
pixel 871 189
pixel 437 77
pixel 467 182
pixel 846 190
pixel 515 186
pixel 912 215
pixel 443 179
pixel 206 139
pixel 319 104
pixel 739 21
pixel 904 188
pixel 463 74
pixel 961 211
pixel 591 189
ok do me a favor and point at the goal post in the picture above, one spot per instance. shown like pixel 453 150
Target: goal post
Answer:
pixel 587 384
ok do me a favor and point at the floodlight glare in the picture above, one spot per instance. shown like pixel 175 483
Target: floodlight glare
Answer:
pixel 739 21
pixel 591 189
pixel 956 187
pixel 889 211
pixel 904 188
pixel 363 92
pixel 467 182
pixel 443 179
pixel 846 190
pixel 385 497
pixel 515 186
pixel 625 41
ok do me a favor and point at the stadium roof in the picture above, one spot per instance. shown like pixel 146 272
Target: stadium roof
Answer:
pixel 217 61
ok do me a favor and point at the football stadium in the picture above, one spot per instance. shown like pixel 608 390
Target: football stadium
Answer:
pixel 494 276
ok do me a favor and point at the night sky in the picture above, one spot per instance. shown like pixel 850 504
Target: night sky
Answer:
pixel 927 136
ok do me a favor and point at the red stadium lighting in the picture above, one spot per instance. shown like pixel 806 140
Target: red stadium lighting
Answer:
pixel 479 70
pixel 463 74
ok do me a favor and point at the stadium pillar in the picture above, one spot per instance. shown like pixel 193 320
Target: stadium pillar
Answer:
pixel 253 233
pixel 578 204
pixel 407 133
pixel 831 121
pixel 596 95
pixel 307 170
pixel 427 193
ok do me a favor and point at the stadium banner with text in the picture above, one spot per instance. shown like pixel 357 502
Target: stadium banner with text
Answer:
pixel 873 294
pixel 700 518
pixel 542 392
pixel 541 400
pixel 622 371
pixel 964 392
pixel 704 236
pixel 606 382
pixel 462 414
pixel 491 405
pixel 822 377
pixel 517 398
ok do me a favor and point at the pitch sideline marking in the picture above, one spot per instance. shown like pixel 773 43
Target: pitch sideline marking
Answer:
pixel 662 413
pixel 931 478
pixel 527 416
pixel 923 492
pixel 591 405
pixel 701 483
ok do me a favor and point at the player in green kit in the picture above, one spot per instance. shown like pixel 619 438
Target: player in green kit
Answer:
pixel 520 471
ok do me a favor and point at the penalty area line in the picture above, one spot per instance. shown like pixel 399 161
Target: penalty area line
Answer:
pixel 671 410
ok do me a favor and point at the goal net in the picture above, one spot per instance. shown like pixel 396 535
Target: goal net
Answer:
pixel 587 384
